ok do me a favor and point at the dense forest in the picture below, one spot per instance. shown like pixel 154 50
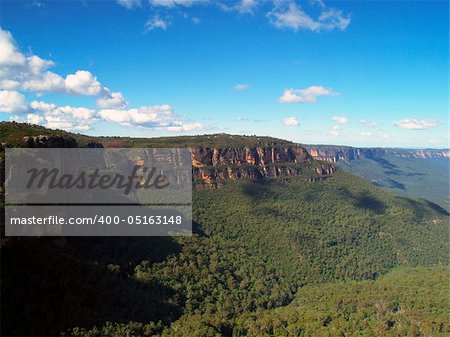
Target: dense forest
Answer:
pixel 277 257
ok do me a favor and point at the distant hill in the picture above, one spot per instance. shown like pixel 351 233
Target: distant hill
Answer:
pixel 334 153
pixel 414 173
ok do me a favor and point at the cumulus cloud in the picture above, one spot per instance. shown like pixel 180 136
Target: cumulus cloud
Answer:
pixel 66 117
pixel 288 15
pixel 34 119
pixel 111 100
pixel 241 87
pixel 156 23
pixel 185 127
pixel 30 73
pixel 159 117
pixel 12 102
pixel 416 124
pixel 9 56
pixel 83 83
pixel 291 121
pixel 130 4
pixel 340 119
pixel 308 95
pixel 55 117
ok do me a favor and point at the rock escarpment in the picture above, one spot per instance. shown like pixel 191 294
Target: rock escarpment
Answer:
pixel 213 166
pixel 334 154
pixel 215 163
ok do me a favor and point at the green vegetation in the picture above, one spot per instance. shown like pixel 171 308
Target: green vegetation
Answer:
pixel 410 177
pixel 280 257
pixel 406 302
pixel 256 247
pixel 13 133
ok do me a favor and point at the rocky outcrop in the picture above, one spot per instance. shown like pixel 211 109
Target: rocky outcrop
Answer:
pixel 50 141
pixel 213 166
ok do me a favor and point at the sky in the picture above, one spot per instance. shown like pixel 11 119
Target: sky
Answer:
pixel 358 73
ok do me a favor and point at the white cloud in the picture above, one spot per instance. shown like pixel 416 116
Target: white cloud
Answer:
pixel 29 73
pixel 242 6
pixel 308 95
pixel 340 119
pixel 367 134
pixel 145 115
pixel 333 18
pixel 34 119
pixel 48 109
pixel 83 83
pixel 416 124
pixel 159 117
pixel 12 102
pixel 111 100
pixel 287 14
pixel 335 131
pixel 9 55
pixel 130 4
pixel 241 87
pixel 156 22
pixel 291 121
pixel 55 117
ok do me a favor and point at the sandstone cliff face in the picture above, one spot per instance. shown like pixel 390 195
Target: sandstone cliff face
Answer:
pixel 335 154
pixel 212 166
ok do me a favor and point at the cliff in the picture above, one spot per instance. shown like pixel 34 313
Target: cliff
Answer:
pixel 213 166
pixel 215 158
pixel 334 154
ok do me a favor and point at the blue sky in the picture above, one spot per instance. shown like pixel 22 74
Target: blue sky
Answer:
pixel 361 73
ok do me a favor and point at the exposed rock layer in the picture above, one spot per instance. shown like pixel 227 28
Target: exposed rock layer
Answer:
pixel 334 154
pixel 213 166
